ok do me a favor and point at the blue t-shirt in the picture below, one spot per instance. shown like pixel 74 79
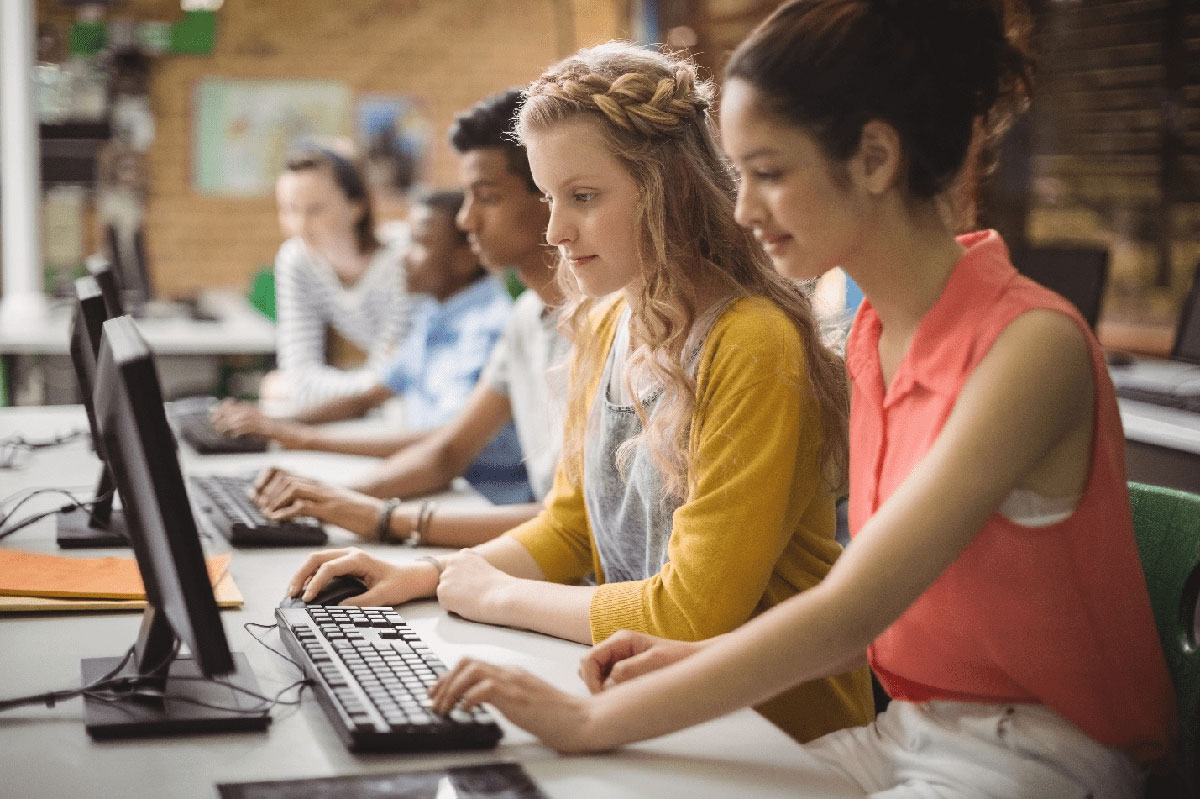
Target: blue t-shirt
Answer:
pixel 436 367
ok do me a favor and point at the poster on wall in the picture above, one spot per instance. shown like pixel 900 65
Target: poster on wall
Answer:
pixel 242 129
pixel 393 131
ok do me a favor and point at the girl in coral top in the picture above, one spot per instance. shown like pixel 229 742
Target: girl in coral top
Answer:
pixel 698 382
pixel 993 582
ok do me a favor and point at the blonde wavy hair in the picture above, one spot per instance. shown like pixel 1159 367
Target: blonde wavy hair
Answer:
pixel 654 114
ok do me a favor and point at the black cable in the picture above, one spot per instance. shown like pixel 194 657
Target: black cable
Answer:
pixel 15 445
pixel 49 698
pixel 265 645
pixel 85 506
pixel 109 690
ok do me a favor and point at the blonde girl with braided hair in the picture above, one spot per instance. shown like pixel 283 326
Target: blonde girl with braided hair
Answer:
pixel 705 435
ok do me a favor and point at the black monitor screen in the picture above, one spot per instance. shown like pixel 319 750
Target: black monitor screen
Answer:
pixel 1080 274
pixel 141 453
pixel 86 325
pixel 106 279
pixel 1187 338
pixel 128 251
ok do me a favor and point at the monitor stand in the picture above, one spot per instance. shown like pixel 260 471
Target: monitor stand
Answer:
pixel 191 703
pixel 100 527
pixel 184 701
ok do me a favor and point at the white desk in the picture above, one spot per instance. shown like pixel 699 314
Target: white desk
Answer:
pixel 238 329
pixel 46 752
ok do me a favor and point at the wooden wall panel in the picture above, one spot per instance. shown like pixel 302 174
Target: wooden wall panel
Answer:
pixel 449 52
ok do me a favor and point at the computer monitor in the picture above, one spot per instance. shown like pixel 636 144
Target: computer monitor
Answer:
pixel 128 252
pixel 1187 336
pixel 102 526
pixel 177 694
pixel 106 278
pixel 1079 274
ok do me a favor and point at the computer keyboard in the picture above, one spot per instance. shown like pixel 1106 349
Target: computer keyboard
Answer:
pixel 195 427
pixel 225 502
pixel 373 675
pixel 1163 398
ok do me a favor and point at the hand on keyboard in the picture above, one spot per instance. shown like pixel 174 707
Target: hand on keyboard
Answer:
pixel 283 495
pixel 560 720
pixel 235 418
pixel 387 583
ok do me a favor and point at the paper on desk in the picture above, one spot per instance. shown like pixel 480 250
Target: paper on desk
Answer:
pixel 225 591
pixel 29 574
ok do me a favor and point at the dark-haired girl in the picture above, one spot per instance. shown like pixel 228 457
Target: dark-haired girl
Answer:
pixel 993 583
pixel 331 273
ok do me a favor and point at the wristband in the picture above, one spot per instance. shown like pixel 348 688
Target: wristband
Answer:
pixel 385 519
pixel 437 564
pixel 421 530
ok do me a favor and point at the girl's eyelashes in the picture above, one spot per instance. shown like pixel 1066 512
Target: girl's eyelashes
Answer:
pixel 577 196
pixel 766 175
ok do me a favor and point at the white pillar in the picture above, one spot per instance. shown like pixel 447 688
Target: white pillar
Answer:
pixel 20 198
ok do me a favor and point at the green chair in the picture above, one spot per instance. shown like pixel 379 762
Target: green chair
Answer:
pixel 513 284
pixel 1167 525
pixel 262 291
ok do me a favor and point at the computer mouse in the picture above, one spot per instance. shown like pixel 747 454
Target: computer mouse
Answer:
pixel 341 587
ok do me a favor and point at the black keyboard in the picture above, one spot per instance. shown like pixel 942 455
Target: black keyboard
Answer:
pixel 225 502
pixel 373 675
pixel 1163 398
pixel 195 427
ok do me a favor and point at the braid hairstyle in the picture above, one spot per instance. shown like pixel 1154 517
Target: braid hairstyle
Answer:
pixel 653 112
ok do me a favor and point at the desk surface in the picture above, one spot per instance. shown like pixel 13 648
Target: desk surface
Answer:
pixel 45 752
pixel 239 329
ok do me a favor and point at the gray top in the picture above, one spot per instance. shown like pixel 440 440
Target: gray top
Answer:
pixel 631 518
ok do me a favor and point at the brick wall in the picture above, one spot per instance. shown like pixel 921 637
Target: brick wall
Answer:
pixel 448 52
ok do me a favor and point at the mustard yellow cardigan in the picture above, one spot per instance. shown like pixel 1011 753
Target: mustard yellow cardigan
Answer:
pixel 757 524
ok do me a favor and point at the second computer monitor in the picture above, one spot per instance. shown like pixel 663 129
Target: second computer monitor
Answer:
pixel 97 525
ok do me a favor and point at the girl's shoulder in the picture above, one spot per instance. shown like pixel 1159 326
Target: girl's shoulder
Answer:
pixel 755 322
pixel 752 336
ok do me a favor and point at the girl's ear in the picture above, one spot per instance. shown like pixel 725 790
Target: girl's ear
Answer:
pixel 879 162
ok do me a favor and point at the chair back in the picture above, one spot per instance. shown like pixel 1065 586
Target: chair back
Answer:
pixel 262 291
pixel 1167 524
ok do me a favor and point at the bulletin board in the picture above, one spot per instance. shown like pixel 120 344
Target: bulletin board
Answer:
pixel 242 130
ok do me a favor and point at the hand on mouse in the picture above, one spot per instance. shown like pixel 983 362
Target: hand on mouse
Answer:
pixel 387 583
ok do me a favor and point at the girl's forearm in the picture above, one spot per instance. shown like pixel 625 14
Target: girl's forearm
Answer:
pixel 794 642
pixel 559 610
pixel 466 528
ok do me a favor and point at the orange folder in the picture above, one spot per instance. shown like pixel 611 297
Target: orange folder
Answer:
pixel 27 574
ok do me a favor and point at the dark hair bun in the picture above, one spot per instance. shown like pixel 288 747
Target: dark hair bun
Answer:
pixel 930 68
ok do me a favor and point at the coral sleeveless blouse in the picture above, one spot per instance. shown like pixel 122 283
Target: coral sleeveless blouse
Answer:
pixel 1056 615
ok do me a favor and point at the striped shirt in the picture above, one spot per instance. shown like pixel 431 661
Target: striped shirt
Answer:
pixel 310 298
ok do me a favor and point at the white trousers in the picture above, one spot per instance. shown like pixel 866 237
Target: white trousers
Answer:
pixel 936 750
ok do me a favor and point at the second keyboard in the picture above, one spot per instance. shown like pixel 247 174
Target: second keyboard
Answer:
pixel 225 502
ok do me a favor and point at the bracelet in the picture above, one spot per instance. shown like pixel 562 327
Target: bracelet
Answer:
pixel 437 564
pixel 384 522
pixel 421 530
